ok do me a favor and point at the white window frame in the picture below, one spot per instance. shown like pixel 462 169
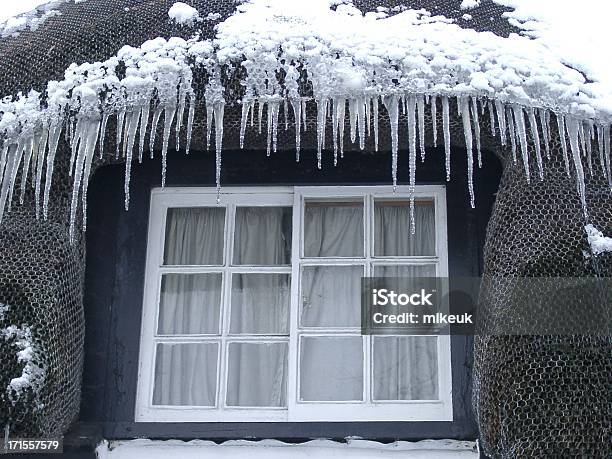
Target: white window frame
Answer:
pixel 409 410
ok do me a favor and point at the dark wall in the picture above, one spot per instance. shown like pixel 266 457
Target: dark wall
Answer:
pixel 116 247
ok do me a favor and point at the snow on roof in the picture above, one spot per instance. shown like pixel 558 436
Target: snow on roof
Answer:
pixel 16 16
pixel 598 242
pixel 183 13
pixel 409 59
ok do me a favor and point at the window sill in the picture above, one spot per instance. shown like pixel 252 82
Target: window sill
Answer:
pixel 273 449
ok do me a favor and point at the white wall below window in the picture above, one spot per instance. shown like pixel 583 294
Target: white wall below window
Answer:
pixel 274 449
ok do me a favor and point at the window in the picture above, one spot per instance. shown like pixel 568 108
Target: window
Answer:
pixel 252 306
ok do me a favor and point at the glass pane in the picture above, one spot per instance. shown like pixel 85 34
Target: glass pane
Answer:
pixel 331 369
pixel 405 271
pixel 186 374
pixel 260 304
pixel 257 374
pixel 405 368
pixel 189 304
pixel 392 229
pixel 263 236
pixel 194 236
pixel 333 229
pixel 331 296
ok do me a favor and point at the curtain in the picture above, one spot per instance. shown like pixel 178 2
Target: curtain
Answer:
pixel 186 374
pixel 405 368
pixel 260 304
pixel 262 236
pixel 194 236
pixel 392 229
pixel 257 374
pixel 331 368
pixel 333 230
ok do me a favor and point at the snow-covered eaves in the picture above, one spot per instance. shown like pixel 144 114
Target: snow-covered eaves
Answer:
pixel 274 449
pixel 355 64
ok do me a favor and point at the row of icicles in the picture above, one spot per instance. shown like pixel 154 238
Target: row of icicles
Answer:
pixel 85 133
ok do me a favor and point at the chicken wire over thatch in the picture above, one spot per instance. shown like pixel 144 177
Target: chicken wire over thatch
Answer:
pixel 106 81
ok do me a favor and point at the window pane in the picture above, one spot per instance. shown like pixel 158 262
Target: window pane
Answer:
pixel 331 369
pixel 260 304
pixel 257 374
pixel 190 304
pixel 263 236
pixel 392 235
pixel 331 296
pixel 405 271
pixel 333 229
pixel 405 368
pixel 194 236
pixel 186 374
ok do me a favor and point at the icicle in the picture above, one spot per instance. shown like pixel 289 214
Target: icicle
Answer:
pixel 340 118
pixel 334 109
pixel 412 154
pixel 190 118
pixel 464 106
pixel 368 114
pixel 169 113
pixel 521 132
pixel 128 149
pixel 585 150
pixel 608 159
pixel 42 150
pixel 87 170
pixel 446 130
pixel 269 129
pixel 353 119
pixel 561 127
pixel 13 161
pixel 434 116
pixel 491 117
pixel 361 121
pixel 421 117
pixel 252 110
pixel 286 113
pixel 272 127
pixel 218 111
pixel 180 114
pixel 375 121
pixel 120 120
pixel 209 123
pixel 304 125
pixel 260 108
pixel 55 131
pixel 572 130
pixel 246 105
pixel 297 111
pixel 88 133
pixel 589 144
pixel 476 129
pixel 156 116
pixel 391 104
pixel 103 133
pixel 533 125
pixel 511 132
pixel 321 111
pixel 74 143
pixel 501 121
pixel 545 131
pixel 29 151
pixel 600 147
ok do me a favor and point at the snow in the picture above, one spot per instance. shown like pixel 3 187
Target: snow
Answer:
pixel 469 4
pixel 183 13
pixel 598 242
pixel 16 16
pixel 355 63
pixel 274 449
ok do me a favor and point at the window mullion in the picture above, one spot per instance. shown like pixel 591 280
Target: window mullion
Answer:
pixel 369 237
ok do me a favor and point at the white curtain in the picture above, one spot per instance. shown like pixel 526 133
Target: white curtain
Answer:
pixel 190 304
pixel 194 236
pixel 186 374
pixel 405 368
pixel 257 374
pixel 333 230
pixel 392 229
pixel 262 236
pixel 260 304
